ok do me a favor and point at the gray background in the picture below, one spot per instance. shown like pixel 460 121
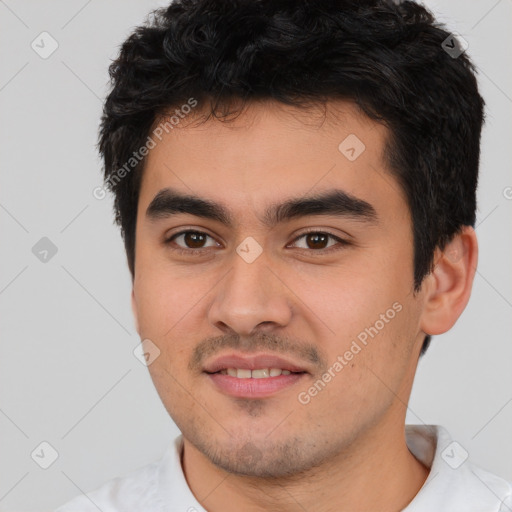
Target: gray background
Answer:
pixel 68 375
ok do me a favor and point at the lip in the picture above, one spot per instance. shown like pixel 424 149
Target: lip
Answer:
pixel 252 362
pixel 253 388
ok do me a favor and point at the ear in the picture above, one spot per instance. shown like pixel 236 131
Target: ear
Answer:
pixel 135 312
pixel 448 286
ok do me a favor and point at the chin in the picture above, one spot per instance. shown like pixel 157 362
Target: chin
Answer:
pixel 261 458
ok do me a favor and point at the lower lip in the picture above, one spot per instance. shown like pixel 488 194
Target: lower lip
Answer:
pixel 254 388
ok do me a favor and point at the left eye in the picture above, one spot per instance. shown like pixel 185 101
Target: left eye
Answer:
pixel 317 239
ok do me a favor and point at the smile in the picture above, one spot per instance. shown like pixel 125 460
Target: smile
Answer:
pixel 263 373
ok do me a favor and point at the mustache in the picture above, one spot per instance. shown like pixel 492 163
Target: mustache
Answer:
pixel 259 342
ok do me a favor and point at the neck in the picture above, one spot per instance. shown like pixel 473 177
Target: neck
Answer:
pixel 376 472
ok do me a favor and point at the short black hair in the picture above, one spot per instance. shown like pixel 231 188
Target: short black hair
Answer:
pixel 391 59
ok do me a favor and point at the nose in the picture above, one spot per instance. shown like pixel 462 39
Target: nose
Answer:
pixel 250 297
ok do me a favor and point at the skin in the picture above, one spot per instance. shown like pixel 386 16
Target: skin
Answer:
pixel 345 450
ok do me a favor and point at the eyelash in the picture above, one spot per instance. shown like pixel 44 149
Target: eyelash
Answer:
pixel 199 252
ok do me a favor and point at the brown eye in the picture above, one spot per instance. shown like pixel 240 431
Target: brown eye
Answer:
pixel 194 240
pixel 190 240
pixel 317 240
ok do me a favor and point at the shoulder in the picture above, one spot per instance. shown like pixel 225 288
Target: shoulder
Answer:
pixel 135 491
pixel 455 483
pixel 497 490
pixel 151 488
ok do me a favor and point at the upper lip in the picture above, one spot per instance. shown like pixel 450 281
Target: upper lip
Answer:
pixel 251 362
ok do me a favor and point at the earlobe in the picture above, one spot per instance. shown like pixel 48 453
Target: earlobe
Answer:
pixel 134 311
pixel 449 284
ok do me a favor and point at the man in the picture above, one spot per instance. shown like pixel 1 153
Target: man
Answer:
pixel 295 184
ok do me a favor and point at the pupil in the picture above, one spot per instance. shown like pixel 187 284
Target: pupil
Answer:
pixel 318 241
pixel 194 240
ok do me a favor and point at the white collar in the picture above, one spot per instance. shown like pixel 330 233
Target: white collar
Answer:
pixel 454 484
pixel 448 487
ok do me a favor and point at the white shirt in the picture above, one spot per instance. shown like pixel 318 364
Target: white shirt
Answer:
pixel 454 484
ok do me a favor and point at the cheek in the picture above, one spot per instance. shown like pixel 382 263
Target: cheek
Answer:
pixel 374 318
pixel 166 295
pixel 370 374
pixel 350 298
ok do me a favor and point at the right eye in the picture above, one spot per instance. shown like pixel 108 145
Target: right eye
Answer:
pixel 193 242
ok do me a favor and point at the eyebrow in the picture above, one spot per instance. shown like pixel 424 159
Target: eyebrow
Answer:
pixel 335 202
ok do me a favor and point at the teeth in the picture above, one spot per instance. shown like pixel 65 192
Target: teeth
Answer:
pixel 263 373
pixel 260 374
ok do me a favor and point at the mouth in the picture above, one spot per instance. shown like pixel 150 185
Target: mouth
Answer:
pixel 258 376
pixel 258 363
pixel 260 373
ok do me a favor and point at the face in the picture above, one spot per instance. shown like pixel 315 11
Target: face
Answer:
pixel 324 285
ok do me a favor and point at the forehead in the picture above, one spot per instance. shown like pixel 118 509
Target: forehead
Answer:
pixel 271 150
